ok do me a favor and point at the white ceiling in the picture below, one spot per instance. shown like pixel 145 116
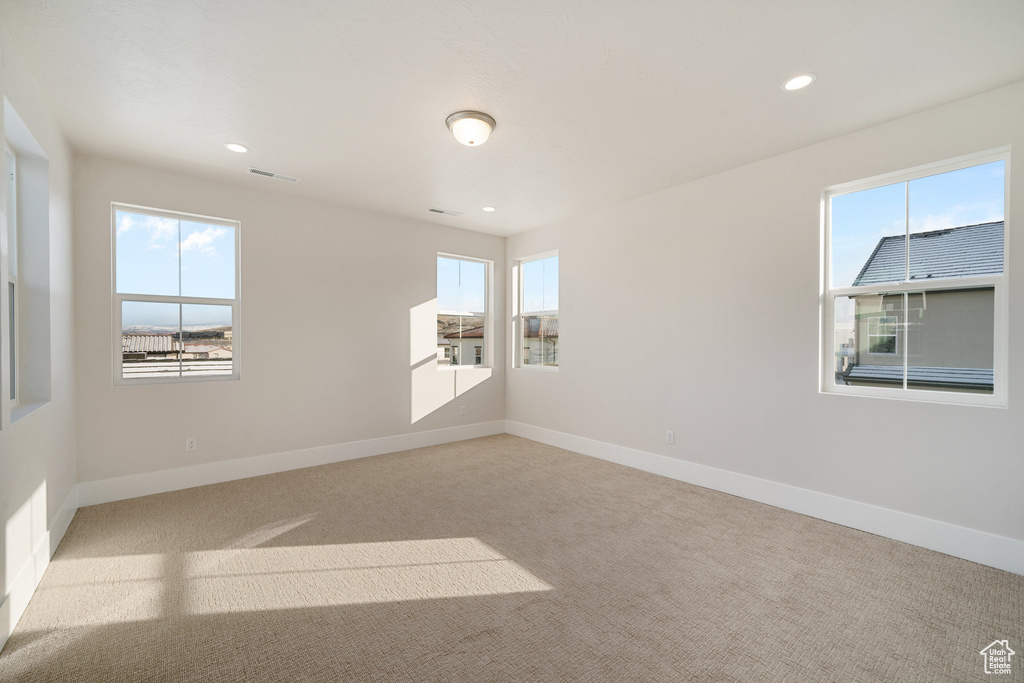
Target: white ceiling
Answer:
pixel 596 102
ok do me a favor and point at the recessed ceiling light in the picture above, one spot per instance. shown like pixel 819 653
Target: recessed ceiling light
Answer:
pixel 797 82
pixel 235 147
pixel 488 209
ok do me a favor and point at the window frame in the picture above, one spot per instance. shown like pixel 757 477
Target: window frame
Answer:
pixel 998 283
pixel 118 299
pixel 519 312
pixel 488 340
pixel 12 373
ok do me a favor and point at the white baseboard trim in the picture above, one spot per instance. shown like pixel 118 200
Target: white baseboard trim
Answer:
pixel 147 483
pixel 31 573
pixel 977 546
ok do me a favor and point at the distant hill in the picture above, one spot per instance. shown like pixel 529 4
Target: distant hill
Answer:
pixel 449 324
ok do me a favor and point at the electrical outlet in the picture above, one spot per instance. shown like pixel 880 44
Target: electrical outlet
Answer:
pixel 190 443
pixel 462 410
pixel 670 437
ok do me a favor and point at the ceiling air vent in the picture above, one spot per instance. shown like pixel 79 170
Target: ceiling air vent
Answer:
pixel 446 212
pixel 271 174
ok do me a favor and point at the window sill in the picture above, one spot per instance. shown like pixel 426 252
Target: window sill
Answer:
pixel 538 368
pixel 22 409
pixel 949 398
pixel 150 381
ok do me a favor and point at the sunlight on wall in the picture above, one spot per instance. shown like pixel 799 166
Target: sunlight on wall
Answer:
pixel 112 590
pixel 431 386
pixel 23 532
pixel 19 533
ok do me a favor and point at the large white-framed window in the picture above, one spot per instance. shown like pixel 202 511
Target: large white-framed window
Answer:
pixel 463 317
pixel 914 302
pixel 175 296
pixel 535 311
pixel 11 290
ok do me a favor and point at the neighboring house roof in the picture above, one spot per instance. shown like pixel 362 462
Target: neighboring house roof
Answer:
pixel 951 252
pixel 147 343
pixel 540 327
pixel 961 378
pixel 163 343
pixel 441 341
pixel 474 333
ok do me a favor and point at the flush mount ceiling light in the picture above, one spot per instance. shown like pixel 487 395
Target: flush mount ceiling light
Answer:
pixel 236 147
pixel 471 128
pixel 488 209
pixel 798 82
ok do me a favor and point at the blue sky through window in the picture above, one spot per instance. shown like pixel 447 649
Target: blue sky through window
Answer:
pixel 169 257
pixel 540 285
pixel 461 286
pixel 946 200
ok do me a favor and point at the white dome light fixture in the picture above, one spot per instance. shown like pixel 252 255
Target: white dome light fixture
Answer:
pixel 471 128
pixel 236 147
pixel 798 82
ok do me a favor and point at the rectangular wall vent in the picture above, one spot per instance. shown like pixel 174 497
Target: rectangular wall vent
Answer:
pixel 446 212
pixel 271 174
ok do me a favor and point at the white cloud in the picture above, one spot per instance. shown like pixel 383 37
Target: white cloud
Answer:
pixel 957 215
pixel 203 241
pixel 160 230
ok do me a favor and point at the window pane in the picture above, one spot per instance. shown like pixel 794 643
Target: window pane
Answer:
pixel 447 285
pixel 207 260
pixel 956 223
pixel 147 254
pixel 950 340
pixel 458 337
pixel 551 284
pixel 472 338
pixel 869 340
pixel 533 286
pixel 207 335
pixel 149 339
pixel 540 340
pixel 12 216
pixel 472 285
pixel 869 226
pixel 13 331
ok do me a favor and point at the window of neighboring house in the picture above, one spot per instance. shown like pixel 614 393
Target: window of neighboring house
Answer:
pixel 176 296
pixel 882 334
pixel 537 321
pixel 12 278
pixel 915 303
pixel 462 294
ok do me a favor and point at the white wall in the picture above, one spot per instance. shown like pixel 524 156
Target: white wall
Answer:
pixel 721 278
pixel 328 298
pixel 37 451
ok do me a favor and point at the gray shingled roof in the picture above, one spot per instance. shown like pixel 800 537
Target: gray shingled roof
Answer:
pixel 952 252
pixel 959 378
pixel 540 326
pixel 147 343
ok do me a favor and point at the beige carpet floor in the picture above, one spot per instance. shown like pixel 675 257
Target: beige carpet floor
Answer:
pixel 496 559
